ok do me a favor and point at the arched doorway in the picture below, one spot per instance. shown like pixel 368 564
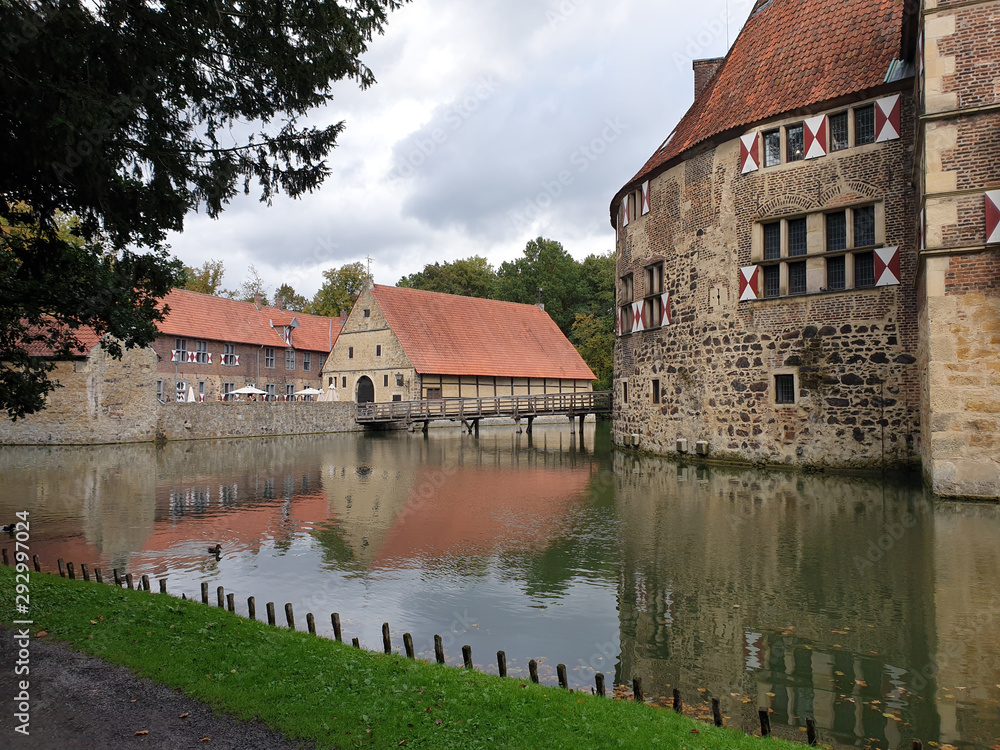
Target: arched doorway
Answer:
pixel 366 390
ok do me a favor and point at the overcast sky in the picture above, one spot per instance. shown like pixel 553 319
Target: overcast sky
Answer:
pixel 492 122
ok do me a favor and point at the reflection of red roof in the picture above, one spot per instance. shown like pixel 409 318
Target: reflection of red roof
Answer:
pixel 219 319
pixel 450 335
pixel 790 54
pixel 484 509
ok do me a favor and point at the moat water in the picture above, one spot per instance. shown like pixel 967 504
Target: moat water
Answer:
pixel 860 603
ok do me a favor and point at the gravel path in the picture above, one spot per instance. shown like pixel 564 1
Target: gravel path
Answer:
pixel 82 703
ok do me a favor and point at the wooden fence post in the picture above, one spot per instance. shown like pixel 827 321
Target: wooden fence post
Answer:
pixel 599 682
pixel 335 620
pixel 163 585
pixel 386 640
pixel 70 571
pixel 270 613
pixel 678 706
pixel 356 643
pixel 765 722
pixel 128 580
pixel 811 732
pixel 467 656
pixel 311 623
pixel 62 568
pixel 85 571
pixel 118 578
pixel 290 616
pixel 533 671
pixel 251 608
pixel 502 663
pixel 408 645
pixel 38 567
pixel 204 592
pixel 97 575
pixel 637 695
pixel 438 649
pixel 717 712
pixel 231 602
pixel 220 593
pixel 561 672
pixel 145 582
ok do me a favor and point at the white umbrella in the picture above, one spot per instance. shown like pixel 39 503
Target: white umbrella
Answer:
pixel 191 398
pixel 248 390
pixel 310 391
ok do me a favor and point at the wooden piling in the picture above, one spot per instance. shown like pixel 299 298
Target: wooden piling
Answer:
pixel 220 594
pixel 717 712
pixel 231 602
pixel 533 671
pixel 98 576
pixel 251 608
pixel 38 567
pixel 270 614
pixel 145 582
pixel 356 643
pixel 70 571
pixel 811 732
pixel 289 616
pixel 917 745
pixel 335 620
pixel 311 623
pixel 6 559
pixel 438 649
pixel 637 695
pixel 128 580
pixel 765 722
pixel 561 672
pixel 599 683
pixel 502 663
pixel 678 706
pixel 467 656
pixel 163 585
pixel 204 592
pixel 85 571
pixel 62 568
pixel 118 577
pixel 408 646
pixel 386 640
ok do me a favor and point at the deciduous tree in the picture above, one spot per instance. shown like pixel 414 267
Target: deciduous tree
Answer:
pixel 469 277
pixel 206 279
pixel 340 290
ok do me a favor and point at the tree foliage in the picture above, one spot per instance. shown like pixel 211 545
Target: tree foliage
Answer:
pixel 290 299
pixel 252 289
pixel 342 287
pixel 130 115
pixel 469 277
pixel 545 273
pixel 206 279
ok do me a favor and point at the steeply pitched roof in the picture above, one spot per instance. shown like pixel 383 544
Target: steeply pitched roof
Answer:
pixel 450 335
pixel 204 316
pixel 86 335
pixel 790 55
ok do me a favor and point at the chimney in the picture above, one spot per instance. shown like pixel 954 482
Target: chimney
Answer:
pixel 279 302
pixel 704 70
pixel 256 300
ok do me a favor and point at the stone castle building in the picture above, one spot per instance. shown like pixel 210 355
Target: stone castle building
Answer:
pixel 809 265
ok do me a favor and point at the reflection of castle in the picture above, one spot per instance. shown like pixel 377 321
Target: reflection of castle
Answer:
pixel 782 583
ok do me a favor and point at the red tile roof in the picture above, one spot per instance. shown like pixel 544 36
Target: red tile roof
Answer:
pixel 445 334
pixel 86 335
pixel 219 319
pixel 791 55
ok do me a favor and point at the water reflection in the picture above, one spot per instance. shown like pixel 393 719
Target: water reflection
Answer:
pixel 862 605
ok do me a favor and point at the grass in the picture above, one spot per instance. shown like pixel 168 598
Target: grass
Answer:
pixel 318 690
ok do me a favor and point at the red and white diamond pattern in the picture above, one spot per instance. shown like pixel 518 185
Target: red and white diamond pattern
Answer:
pixel 887 114
pixel 815 134
pixel 992 217
pixel 665 309
pixel 886 266
pixel 645 197
pixel 638 324
pixel 749 153
pixel 748 282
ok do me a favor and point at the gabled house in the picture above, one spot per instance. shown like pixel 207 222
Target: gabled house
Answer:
pixel 405 344
pixel 214 346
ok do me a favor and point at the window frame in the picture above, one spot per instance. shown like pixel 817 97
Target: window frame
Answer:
pixel 656 390
pixel 784 389
pixel 306 361
pixel 227 391
pixel 766 155
pixel 270 363
pixel 290 359
pixel 627 289
pixel 800 155
pixel 229 355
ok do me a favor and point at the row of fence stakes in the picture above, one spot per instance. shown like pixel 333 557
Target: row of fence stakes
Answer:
pixel 228 602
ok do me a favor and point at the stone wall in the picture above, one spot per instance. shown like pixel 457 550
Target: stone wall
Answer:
pixel 851 352
pixel 103 400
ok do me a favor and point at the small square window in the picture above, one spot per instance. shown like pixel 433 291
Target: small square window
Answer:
pixel 399 378
pixel 378 350
pixel 795 142
pixel 329 381
pixel 772 281
pixel 797 277
pixel 835 276
pixel 784 389
pixel 772 240
pixel 836 231
pixel 864 269
pixel 656 391
pixel 772 148
pixel 797 237
pixel 864 125
pixel 864 226
pixel 396 397
pixel 367 313
pixel 838 132
pixel 350 352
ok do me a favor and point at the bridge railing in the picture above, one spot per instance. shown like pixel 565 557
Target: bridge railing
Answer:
pixel 485 406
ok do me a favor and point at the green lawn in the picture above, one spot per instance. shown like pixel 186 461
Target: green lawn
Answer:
pixel 341 697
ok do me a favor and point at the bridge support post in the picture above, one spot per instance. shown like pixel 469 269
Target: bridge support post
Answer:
pixel 530 420
pixel 426 426
pixel 517 421
pixel 475 426
pixel 581 420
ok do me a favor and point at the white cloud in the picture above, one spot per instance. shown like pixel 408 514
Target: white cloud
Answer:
pixel 491 123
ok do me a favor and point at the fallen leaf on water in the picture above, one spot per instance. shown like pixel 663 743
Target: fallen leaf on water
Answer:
pixel 141 732
pixel 204 739
pixel 184 716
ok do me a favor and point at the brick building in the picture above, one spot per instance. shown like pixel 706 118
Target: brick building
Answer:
pixel 404 344
pixel 215 345
pixel 805 274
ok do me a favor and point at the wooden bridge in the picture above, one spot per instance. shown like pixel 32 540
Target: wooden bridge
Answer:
pixel 469 411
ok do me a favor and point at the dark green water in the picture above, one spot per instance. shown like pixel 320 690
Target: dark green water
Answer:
pixel 863 605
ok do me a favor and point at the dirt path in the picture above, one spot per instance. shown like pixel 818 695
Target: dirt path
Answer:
pixel 82 703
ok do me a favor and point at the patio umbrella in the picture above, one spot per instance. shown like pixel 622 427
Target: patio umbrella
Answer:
pixel 249 390
pixel 191 398
pixel 310 391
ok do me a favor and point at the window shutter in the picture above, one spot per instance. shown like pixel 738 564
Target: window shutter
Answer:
pixel 192 357
pixel 665 309
pixel 749 153
pixel 645 197
pixel 887 125
pixel 887 266
pixel 638 324
pixel 237 359
pixel 210 358
pixel 992 217
pixel 618 321
pixel 625 211
pixel 923 230
pixel 815 135
pixel 749 277
pixel 173 355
